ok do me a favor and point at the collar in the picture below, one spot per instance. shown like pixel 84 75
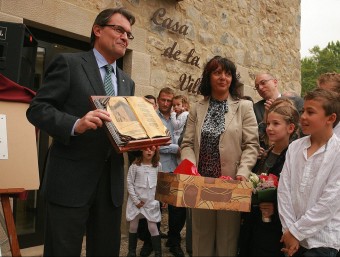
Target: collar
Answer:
pixel 102 62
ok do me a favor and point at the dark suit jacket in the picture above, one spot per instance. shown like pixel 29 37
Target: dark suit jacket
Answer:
pixel 75 163
pixel 259 110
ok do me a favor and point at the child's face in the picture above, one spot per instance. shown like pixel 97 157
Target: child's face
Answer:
pixel 313 118
pixel 148 154
pixel 153 102
pixel 277 128
pixel 177 105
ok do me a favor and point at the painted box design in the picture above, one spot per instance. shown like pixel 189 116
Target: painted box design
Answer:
pixel 202 192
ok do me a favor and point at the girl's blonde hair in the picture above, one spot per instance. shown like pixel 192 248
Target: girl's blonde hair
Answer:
pixel 287 110
pixel 185 101
pixel 155 159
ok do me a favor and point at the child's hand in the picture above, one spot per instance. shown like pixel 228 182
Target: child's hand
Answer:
pixel 141 204
pixel 151 148
pixel 267 209
pixel 290 242
pixel 261 152
pixel 179 153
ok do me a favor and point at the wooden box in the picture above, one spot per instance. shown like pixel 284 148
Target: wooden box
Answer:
pixel 202 192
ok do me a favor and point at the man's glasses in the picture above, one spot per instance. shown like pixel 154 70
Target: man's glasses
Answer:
pixel 261 83
pixel 120 30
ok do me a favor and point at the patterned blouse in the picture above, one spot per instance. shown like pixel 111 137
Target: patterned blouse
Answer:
pixel 209 164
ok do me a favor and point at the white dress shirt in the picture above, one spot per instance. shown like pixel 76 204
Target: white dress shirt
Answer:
pixel 101 65
pixel 309 193
pixel 337 130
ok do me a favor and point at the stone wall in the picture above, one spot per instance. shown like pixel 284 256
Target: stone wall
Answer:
pixel 258 35
pixel 174 39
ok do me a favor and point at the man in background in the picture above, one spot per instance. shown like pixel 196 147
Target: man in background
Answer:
pixel 168 155
pixel 152 100
pixel 267 87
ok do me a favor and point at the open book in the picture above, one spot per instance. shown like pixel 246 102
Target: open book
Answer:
pixel 135 124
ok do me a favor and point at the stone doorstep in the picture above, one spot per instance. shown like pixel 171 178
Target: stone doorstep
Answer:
pixel 35 251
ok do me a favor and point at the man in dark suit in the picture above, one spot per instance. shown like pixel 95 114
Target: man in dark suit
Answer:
pixel 267 87
pixel 84 178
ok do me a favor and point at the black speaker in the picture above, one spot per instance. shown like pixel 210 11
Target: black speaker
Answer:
pixel 18 50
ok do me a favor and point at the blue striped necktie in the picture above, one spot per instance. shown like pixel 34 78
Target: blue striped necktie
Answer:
pixel 108 85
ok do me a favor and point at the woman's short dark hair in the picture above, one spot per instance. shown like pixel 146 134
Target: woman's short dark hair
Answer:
pixel 104 16
pixel 228 66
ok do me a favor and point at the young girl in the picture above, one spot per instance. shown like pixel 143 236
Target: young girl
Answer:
pixel 257 237
pixel 180 105
pixel 141 183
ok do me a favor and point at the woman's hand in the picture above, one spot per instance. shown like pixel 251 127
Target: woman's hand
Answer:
pixel 140 205
pixel 241 178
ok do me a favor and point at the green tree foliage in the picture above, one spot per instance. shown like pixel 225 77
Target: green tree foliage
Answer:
pixel 321 61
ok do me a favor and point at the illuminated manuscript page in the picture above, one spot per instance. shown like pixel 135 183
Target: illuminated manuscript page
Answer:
pixel 147 116
pixel 124 118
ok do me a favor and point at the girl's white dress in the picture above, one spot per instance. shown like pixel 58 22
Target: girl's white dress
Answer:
pixel 178 123
pixel 141 184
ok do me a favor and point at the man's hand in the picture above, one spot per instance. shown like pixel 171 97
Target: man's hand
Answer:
pixel 290 242
pixel 140 205
pixel 92 120
pixel 268 103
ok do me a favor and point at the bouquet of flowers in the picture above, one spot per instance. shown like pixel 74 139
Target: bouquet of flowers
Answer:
pixel 264 187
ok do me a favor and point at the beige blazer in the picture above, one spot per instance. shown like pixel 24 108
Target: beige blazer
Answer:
pixel 239 144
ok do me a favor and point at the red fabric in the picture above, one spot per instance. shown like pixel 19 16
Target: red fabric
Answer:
pixel 187 167
pixel 13 92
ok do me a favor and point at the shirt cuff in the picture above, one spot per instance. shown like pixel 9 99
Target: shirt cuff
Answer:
pixel 74 126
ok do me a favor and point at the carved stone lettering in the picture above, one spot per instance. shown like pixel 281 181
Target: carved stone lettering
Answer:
pixel 168 23
pixel 169 52
pixel 187 83
pixel 158 14
pixel 194 61
pixel 172 54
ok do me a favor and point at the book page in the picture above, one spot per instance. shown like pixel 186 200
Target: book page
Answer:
pixel 124 119
pixel 147 116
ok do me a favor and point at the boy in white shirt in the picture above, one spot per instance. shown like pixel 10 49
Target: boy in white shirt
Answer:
pixel 309 187
pixel 331 81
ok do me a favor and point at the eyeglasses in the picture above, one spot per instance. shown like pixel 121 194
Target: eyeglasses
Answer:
pixel 261 83
pixel 120 30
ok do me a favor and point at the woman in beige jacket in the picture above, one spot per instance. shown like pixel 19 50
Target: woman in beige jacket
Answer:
pixel 221 138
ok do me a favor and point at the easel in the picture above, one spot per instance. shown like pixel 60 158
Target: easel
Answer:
pixel 18 160
pixel 9 220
